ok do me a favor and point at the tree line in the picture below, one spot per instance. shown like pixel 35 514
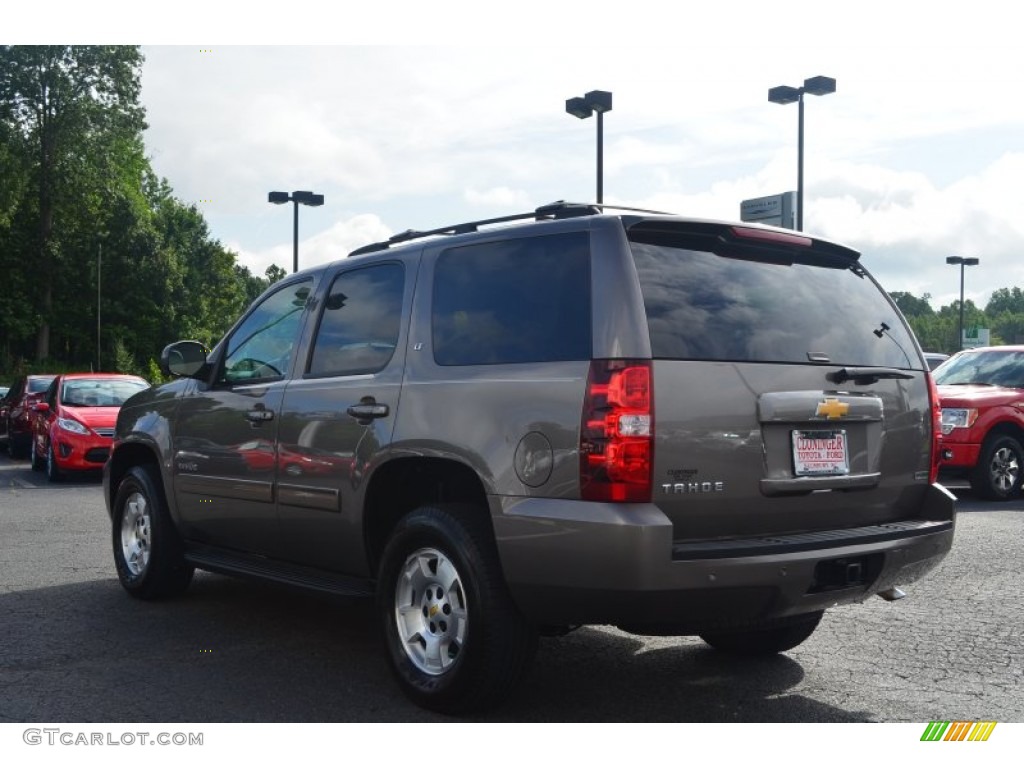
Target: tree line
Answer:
pixel 85 223
pixel 937 331
pixel 84 219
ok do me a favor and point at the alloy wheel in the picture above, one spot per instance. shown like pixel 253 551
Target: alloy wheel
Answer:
pixel 430 611
pixel 1005 469
pixel 136 527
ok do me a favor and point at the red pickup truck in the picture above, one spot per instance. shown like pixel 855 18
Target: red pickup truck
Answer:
pixel 982 396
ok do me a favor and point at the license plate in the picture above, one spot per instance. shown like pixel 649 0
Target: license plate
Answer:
pixel 820 452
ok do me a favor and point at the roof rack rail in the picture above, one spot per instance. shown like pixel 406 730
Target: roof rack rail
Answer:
pixel 560 209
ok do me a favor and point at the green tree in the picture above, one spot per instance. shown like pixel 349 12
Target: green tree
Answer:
pixel 1005 300
pixel 911 306
pixel 275 273
pixel 61 101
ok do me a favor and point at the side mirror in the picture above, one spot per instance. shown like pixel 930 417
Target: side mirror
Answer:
pixel 184 359
pixel 41 408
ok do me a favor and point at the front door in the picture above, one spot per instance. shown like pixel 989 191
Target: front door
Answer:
pixel 224 454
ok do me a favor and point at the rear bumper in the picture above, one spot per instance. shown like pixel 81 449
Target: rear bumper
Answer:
pixel 571 562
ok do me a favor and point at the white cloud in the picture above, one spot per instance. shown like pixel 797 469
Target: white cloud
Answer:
pixel 498 197
pixel 417 137
pixel 322 248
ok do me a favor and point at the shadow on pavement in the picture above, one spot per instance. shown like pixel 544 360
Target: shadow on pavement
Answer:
pixel 232 651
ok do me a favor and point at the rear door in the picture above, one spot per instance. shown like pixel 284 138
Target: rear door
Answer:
pixel 789 394
pixel 338 413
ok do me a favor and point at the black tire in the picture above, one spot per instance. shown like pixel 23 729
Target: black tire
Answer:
pixel 147 549
pixel 53 473
pixel 37 463
pixel 997 475
pixel 484 644
pixel 15 446
pixel 766 639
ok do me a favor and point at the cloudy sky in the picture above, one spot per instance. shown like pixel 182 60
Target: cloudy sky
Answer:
pixel 918 155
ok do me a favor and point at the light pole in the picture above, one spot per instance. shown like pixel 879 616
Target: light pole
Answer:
pixel 583 107
pixel 785 94
pixel 306 198
pixel 970 262
pixel 99 310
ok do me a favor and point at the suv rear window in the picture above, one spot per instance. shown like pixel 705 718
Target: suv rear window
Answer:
pixel 515 301
pixel 701 306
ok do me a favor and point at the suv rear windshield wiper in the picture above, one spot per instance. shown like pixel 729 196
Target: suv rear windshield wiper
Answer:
pixel 867 375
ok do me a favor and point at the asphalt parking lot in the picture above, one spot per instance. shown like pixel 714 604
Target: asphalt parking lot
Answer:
pixel 75 648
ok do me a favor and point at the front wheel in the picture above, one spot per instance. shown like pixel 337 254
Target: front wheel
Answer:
pixel 455 640
pixel 997 475
pixel 766 639
pixel 53 473
pixel 147 550
pixel 38 462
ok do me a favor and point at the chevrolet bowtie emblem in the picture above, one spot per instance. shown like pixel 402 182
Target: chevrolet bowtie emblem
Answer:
pixel 831 408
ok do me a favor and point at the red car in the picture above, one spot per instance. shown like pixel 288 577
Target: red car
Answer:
pixel 982 396
pixel 74 423
pixel 16 414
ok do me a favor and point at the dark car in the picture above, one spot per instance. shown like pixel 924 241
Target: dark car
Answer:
pixel 564 417
pixel 16 412
pixel 982 394
pixel 73 424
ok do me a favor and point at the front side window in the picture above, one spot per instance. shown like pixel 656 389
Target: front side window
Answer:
pixel 359 326
pixel 515 301
pixel 261 348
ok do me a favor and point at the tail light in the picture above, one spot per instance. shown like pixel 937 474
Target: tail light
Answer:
pixel 933 397
pixel 617 432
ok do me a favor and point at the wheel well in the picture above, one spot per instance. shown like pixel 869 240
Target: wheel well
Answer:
pixel 1007 428
pixel 403 485
pixel 126 457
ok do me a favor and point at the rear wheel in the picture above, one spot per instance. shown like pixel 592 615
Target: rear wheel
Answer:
pixel 15 445
pixel 455 639
pixel 765 639
pixel 148 554
pixel 997 474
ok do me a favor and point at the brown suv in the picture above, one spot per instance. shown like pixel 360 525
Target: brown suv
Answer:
pixel 673 426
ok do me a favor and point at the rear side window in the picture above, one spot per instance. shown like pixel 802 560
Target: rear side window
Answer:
pixel 515 301
pixel 701 306
pixel 359 327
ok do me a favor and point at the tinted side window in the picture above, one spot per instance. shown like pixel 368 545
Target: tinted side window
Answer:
pixel 262 347
pixel 706 307
pixel 515 301
pixel 360 322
